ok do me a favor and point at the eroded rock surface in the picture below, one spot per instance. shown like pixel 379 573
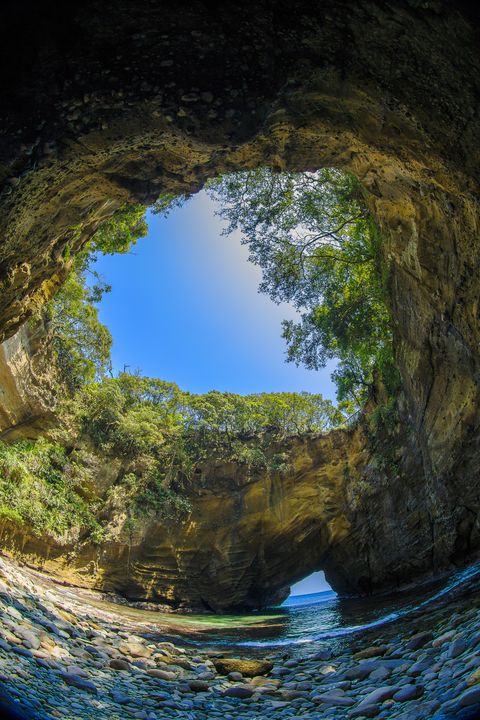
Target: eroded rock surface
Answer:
pixel 108 105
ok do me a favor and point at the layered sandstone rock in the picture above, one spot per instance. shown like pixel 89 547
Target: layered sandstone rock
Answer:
pixel 27 383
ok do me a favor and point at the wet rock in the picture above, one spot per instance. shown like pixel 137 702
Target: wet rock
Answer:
pixel 419 640
pixel 408 692
pixel 323 655
pixel 469 697
pixel 239 691
pixel 79 682
pixel 248 668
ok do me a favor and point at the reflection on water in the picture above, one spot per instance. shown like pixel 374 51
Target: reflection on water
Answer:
pixel 307 618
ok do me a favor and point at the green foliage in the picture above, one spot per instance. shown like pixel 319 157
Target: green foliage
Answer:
pixel 319 250
pixel 168 202
pixel 166 434
pixel 154 499
pixel 131 415
pixel 80 341
pixel 38 486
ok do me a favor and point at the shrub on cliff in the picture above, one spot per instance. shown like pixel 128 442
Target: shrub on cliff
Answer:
pixel 41 487
pixel 80 341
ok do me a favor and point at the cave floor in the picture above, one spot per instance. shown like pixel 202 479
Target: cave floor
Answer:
pixel 65 654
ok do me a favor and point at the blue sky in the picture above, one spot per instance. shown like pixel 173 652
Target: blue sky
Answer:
pixel 313 583
pixel 185 307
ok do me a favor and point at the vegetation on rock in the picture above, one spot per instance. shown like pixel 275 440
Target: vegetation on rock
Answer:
pixel 44 488
pixel 80 341
pixel 318 249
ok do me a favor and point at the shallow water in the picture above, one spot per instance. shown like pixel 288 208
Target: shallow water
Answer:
pixel 305 619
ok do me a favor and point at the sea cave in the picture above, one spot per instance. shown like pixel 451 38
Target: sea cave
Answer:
pixel 150 529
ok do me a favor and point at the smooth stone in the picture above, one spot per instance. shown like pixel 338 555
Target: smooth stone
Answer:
pixel 408 692
pixel 19 650
pixel 236 676
pixel 379 695
pixel 474 677
pixel 161 674
pixel 371 652
pixel 79 682
pixel 334 698
pixel 380 674
pixel 134 649
pixel 457 647
pixel 119 664
pixel 418 668
pixel 419 640
pixel 119 697
pixel 368 711
pixel 198 685
pixel 469 697
pixel 248 668
pixel 446 637
pixel 239 691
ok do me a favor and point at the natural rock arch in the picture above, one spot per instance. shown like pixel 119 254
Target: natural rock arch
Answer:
pixel 119 103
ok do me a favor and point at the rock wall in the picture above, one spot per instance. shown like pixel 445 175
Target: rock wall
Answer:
pixel 343 506
pixel 117 103
pixel 27 384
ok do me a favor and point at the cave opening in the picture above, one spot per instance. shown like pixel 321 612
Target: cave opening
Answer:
pixel 184 306
pixel 309 588
pixel 107 107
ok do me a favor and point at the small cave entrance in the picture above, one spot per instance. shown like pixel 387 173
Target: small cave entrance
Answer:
pixel 313 587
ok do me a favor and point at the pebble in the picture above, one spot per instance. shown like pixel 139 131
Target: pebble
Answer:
pixel 239 691
pixel 419 640
pixel 457 647
pixel 79 682
pixel 113 671
pixel 408 692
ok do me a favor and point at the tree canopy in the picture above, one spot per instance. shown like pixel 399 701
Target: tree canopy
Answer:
pixel 81 342
pixel 319 250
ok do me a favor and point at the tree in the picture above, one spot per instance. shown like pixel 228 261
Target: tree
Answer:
pixel 81 342
pixel 320 251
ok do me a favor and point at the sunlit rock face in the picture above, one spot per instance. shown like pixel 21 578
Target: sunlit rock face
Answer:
pixel 118 106
pixel 27 384
pixel 251 534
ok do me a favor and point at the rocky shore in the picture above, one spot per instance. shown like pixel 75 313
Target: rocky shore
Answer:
pixel 63 657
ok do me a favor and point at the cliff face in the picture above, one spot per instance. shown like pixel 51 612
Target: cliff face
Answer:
pixel 350 503
pixel 27 384
pixel 98 113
